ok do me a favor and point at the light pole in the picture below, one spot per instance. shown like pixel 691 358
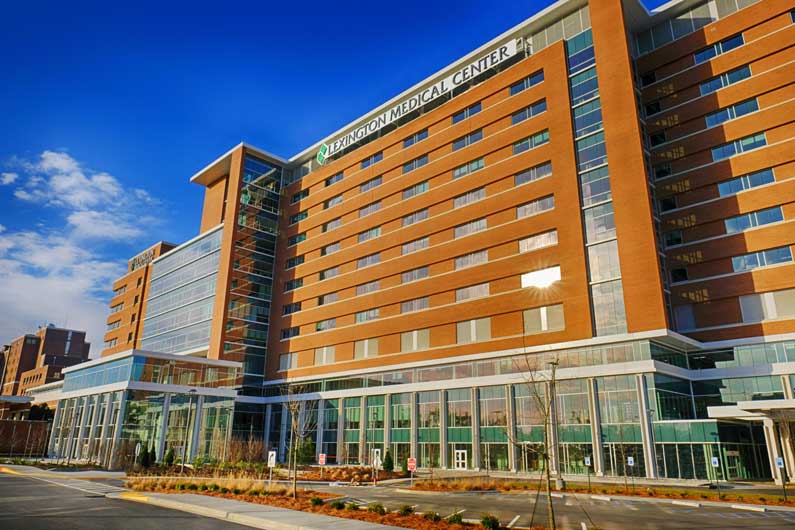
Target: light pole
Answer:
pixel 553 420
pixel 191 393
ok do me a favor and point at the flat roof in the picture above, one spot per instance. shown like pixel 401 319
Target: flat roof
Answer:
pixel 153 355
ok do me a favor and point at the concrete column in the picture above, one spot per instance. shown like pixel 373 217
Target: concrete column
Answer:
pixel 282 449
pixel 785 384
pixel 443 420
pixel 414 426
pixel 321 419
pixel 597 458
pixel 646 431
pixel 103 443
pixel 117 430
pixel 787 449
pixel 773 449
pixel 161 437
pixel 476 460
pixel 364 455
pixel 511 408
pixel 266 434
pixel 387 423
pixel 197 428
pixel 55 421
pixel 552 435
pixel 340 430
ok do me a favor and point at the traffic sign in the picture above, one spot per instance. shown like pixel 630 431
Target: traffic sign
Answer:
pixel 715 461
pixel 779 462
pixel 271 459
pixel 588 461
pixel 321 459
pixel 411 464
pixel 630 461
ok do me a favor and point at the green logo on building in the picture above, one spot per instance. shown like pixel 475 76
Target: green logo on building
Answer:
pixel 321 154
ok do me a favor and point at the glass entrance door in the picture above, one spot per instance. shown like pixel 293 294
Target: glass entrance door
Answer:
pixel 460 461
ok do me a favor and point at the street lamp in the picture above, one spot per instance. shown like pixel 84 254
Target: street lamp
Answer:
pixel 191 393
pixel 553 413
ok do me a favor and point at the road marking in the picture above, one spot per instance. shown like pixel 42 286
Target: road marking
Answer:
pixel 692 504
pixel 513 521
pixel 749 507
pixel 601 498
pixel 558 495
pixel 455 513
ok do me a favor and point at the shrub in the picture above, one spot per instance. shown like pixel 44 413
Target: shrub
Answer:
pixel 179 487
pixel 213 487
pixel 404 465
pixel 406 510
pixel 351 506
pixel 169 459
pixel 193 487
pixel 223 490
pixel 456 518
pixel 432 516
pixel 316 501
pixel 389 464
pixel 337 504
pixel 376 507
pixel 203 487
pixel 237 491
pixel 490 522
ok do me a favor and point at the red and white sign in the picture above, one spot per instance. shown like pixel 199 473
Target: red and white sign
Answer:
pixel 321 459
pixel 412 464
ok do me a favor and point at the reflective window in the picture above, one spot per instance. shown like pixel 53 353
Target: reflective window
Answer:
pixel 534 173
pixel 528 112
pixel 535 207
pixel 414 138
pixel 468 168
pixel 527 82
pixel 468 139
pixel 545 239
pixel 466 113
pixel 532 142
pixel 753 219
pixel 746 182
pixel 763 258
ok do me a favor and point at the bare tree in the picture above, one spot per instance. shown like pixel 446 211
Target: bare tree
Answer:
pixel 302 421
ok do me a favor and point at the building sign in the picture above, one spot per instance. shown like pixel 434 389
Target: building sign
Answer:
pixel 144 258
pixel 425 96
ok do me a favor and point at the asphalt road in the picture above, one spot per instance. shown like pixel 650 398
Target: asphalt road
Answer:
pixel 31 504
pixel 571 512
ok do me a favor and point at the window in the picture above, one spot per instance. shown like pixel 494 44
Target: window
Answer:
pixel 768 306
pixel 370 184
pixel 297 238
pixel 334 178
pixel 587 118
pixel 289 309
pixel 414 164
pixel 595 186
pixel 763 258
pixel 418 339
pixel 368 287
pixel 724 80
pixel 648 79
pixel 469 197
pixel 370 208
pixel 364 316
pixel 300 216
pixel 293 262
pixel 366 261
pixel 667 203
pixel 414 246
pixel 323 325
pixel 113 325
pixel 330 249
pixel 603 262
pixel 657 139
pixel 684 318
pixel 674 237
pixel 331 225
pixel 288 361
pixel 531 142
pixel 416 189
pixel 737 147
pixel 365 348
pixel 290 332
pixel 468 140
pixel 545 239
pixel 599 223
pixel 466 113
pixel 473 291
pixel 662 170
pixel 717 49
pixel 541 278
pixel 653 108
pixel 535 207
pixel 527 82
pixel 543 319
pixel 584 86
pixel 414 138
pixel 303 194
pixel 324 355
pixel 367 162
pixel 534 173
pixel 291 285
pixel 679 275
pixel 753 219
pixel 116 308
pixel 469 228
pixel 414 305
pixel 468 168
pixel 528 112
pixel 732 112
pixel 415 217
pixel 472 259
pixel 329 273
pixel 367 235
pixel 332 202
pixel 746 182
pixel 473 330
pixel 610 315
pixel 414 275
pixel 591 152
pixel 792 15
pixel 111 343
pixel 120 290
pixel 327 298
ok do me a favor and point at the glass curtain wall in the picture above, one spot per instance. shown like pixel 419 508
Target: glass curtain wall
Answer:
pixel 619 408
pixel 374 434
pixel 400 427
pixel 428 431
pixel 459 428
pixel 529 399
pixel 493 409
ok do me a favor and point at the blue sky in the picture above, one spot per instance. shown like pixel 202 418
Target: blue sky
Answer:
pixel 108 109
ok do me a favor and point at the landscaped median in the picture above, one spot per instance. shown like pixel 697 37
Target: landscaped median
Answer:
pixel 164 490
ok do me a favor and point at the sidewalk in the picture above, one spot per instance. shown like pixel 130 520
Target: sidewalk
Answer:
pixel 254 515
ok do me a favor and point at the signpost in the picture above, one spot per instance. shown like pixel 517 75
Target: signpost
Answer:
pixel 271 465
pixel 588 469
pixel 716 464
pixel 780 465
pixel 631 463
pixel 321 460
pixel 411 464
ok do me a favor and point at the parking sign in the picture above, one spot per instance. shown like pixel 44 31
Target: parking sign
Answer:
pixel 271 459
pixel 588 461
pixel 715 461
pixel 779 462
pixel 630 461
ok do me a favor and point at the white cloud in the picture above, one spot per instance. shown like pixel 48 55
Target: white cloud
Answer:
pixel 102 225
pixel 8 178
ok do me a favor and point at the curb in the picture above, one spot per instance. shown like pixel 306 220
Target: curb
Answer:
pixel 749 507
pixel 692 504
